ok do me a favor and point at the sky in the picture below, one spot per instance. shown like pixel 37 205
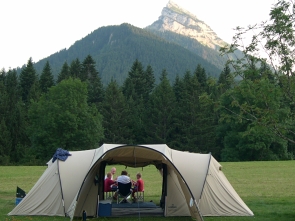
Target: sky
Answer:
pixel 39 28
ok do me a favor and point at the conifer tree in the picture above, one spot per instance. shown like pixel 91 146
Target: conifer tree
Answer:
pixel 2 75
pixel 95 87
pixel 187 113
pixel 201 75
pixel 76 69
pixel 115 112
pixel 5 143
pixel 136 94
pixel 28 81
pixel 16 118
pixel 5 136
pixel 46 78
pixel 160 112
pixel 64 73
pixel 149 82
pixel 177 87
pixel 225 80
pixel 135 82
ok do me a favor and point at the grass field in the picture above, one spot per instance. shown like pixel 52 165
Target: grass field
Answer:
pixel 268 188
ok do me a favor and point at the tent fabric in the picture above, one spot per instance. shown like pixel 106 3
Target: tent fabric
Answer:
pixel 219 197
pixel 57 187
pixel 195 185
pixel 45 197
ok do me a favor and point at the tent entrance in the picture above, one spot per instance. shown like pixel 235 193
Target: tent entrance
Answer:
pixel 154 200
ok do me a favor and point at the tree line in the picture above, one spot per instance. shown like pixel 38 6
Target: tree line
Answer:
pixel 39 115
pixel 245 114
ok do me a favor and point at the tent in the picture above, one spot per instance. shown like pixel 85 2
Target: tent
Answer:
pixel 193 184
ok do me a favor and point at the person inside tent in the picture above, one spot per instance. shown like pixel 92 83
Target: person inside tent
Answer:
pixel 109 184
pixel 113 171
pixel 138 186
pixel 124 178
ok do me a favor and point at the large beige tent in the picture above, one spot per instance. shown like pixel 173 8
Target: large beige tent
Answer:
pixel 193 184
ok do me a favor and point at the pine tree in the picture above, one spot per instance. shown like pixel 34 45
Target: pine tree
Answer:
pixel 64 74
pixel 225 80
pixel 5 143
pixel 46 79
pixel 2 75
pixel 76 69
pixel 187 113
pixel 160 112
pixel 5 136
pixel 13 113
pixel 115 115
pixel 136 94
pixel 95 87
pixel 135 82
pixel 88 68
pixel 201 75
pixel 149 82
pixel 28 81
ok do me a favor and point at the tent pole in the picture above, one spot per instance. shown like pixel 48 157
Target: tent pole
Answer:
pixel 136 167
pixel 62 194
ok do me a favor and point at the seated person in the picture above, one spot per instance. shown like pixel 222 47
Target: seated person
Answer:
pixel 138 185
pixel 113 171
pixel 109 183
pixel 122 179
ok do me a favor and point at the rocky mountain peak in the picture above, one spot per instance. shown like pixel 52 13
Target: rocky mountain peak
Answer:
pixel 178 20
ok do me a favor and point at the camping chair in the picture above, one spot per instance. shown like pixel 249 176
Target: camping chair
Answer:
pixel 124 190
pixel 110 194
pixel 140 196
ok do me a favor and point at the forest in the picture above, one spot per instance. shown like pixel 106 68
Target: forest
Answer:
pixel 246 114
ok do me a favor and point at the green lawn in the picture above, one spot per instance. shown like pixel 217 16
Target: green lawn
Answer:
pixel 268 188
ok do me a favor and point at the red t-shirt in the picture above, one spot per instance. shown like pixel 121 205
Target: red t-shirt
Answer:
pixel 139 185
pixel 107 184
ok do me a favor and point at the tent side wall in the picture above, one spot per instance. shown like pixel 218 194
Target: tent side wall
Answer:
pixel 44 198
pixel 194 168
pixel 57 187
pixel 176 203
pixel 219 197
pixel 190 178
pixel 72 172
pixel 88 196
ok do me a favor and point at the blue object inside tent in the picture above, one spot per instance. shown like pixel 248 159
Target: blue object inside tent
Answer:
pixel 61 154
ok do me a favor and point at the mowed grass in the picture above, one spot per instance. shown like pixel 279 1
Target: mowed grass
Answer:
pixel 268 188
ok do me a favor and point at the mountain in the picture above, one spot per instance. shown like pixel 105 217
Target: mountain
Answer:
pixel 180 21
pixel 181 27
pixel 178 41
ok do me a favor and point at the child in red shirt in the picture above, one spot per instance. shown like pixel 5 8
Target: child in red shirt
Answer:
pixel 138 185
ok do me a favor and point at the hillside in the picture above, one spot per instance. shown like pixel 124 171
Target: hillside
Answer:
pixel 115 48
